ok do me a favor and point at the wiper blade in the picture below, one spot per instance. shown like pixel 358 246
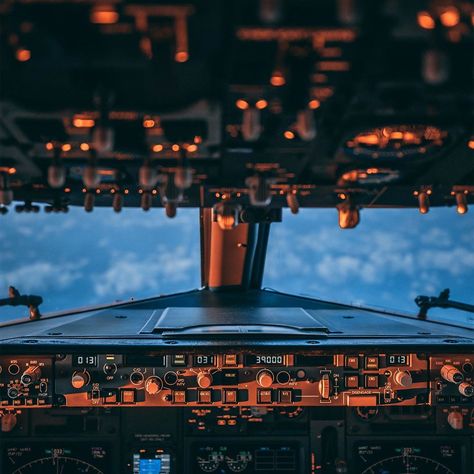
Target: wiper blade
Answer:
pixel 15 299
pixel 425 303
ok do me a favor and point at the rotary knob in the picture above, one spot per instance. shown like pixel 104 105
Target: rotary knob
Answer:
pixel 466 389
pixel 455 420
pixel 403 378
pixel 451 374
pixel 153 385
pixel 204 379
pixel 80 379
pixel 265 378
pixel 31 375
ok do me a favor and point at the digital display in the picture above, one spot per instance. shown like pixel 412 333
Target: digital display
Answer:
pixel 397 359
pixel 84 361
pixel 264 359
pixel 204 360
pixel 151 463
pixel 145 361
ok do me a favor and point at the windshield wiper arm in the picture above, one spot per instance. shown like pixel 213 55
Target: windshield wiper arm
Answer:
pixel 15 299
pixel 425 303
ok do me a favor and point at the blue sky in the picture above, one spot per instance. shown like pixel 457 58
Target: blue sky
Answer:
pixel 79 259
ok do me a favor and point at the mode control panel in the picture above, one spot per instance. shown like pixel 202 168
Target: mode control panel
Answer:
pixel 244 379
pixel 26 381
pixel 226 378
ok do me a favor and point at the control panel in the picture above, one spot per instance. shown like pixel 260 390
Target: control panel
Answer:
pixel 26 381
pixel 244 379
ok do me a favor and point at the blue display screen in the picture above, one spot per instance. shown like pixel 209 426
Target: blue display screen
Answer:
pixel 150 466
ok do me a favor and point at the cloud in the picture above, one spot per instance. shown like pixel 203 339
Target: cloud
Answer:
pixel 43 276
pixel 130 273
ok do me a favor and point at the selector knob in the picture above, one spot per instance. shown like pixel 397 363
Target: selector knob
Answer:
pixel 31 375
pixel 204 379
pixel 455 420
pixel 153 385
pixel 451 374
pixel 403 378
pixel 466 389
pixel 80 379
pixel 265 378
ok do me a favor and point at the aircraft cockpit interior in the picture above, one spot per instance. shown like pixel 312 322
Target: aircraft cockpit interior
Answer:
pixel 235 236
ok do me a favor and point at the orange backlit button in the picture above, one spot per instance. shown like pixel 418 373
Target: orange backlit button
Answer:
pixel 372 362
pixel 264 396
pixel 179 396
pixel 128 396
pixel 371 381
pixel 229 396
pixel 230 359
pixel 204 396
pixel 285 396
pixel 352 381
pixel 352 362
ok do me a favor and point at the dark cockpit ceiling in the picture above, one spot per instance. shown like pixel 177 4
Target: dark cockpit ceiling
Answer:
pixel 204 103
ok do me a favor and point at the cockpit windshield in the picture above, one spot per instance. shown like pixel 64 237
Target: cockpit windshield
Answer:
pixel 80 259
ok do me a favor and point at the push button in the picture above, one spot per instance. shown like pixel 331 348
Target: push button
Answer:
pixel 371 381
pixel 230 360
pixel 352 362
pixel 110 396
pixel 179 396
pixel 352 381
pixel 178 360
pixel 229 396
pixel 128 396
pixel 264 396
pixel 372 362
pixel 205 396
pixel 285 396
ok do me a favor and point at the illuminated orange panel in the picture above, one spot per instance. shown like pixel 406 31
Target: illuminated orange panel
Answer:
pixel 181 56
pixel 289 135
pixel 261 104
pixel 449 17
pixel 425 20
pixel 23 55
pixel 192 148
pixel 314 104
pixel 148 123
pixel 104 15
pixel 83 122
pixel 157 148
pixel 242 104
pixel 277 79
pixel 84 147
pixel 66 147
